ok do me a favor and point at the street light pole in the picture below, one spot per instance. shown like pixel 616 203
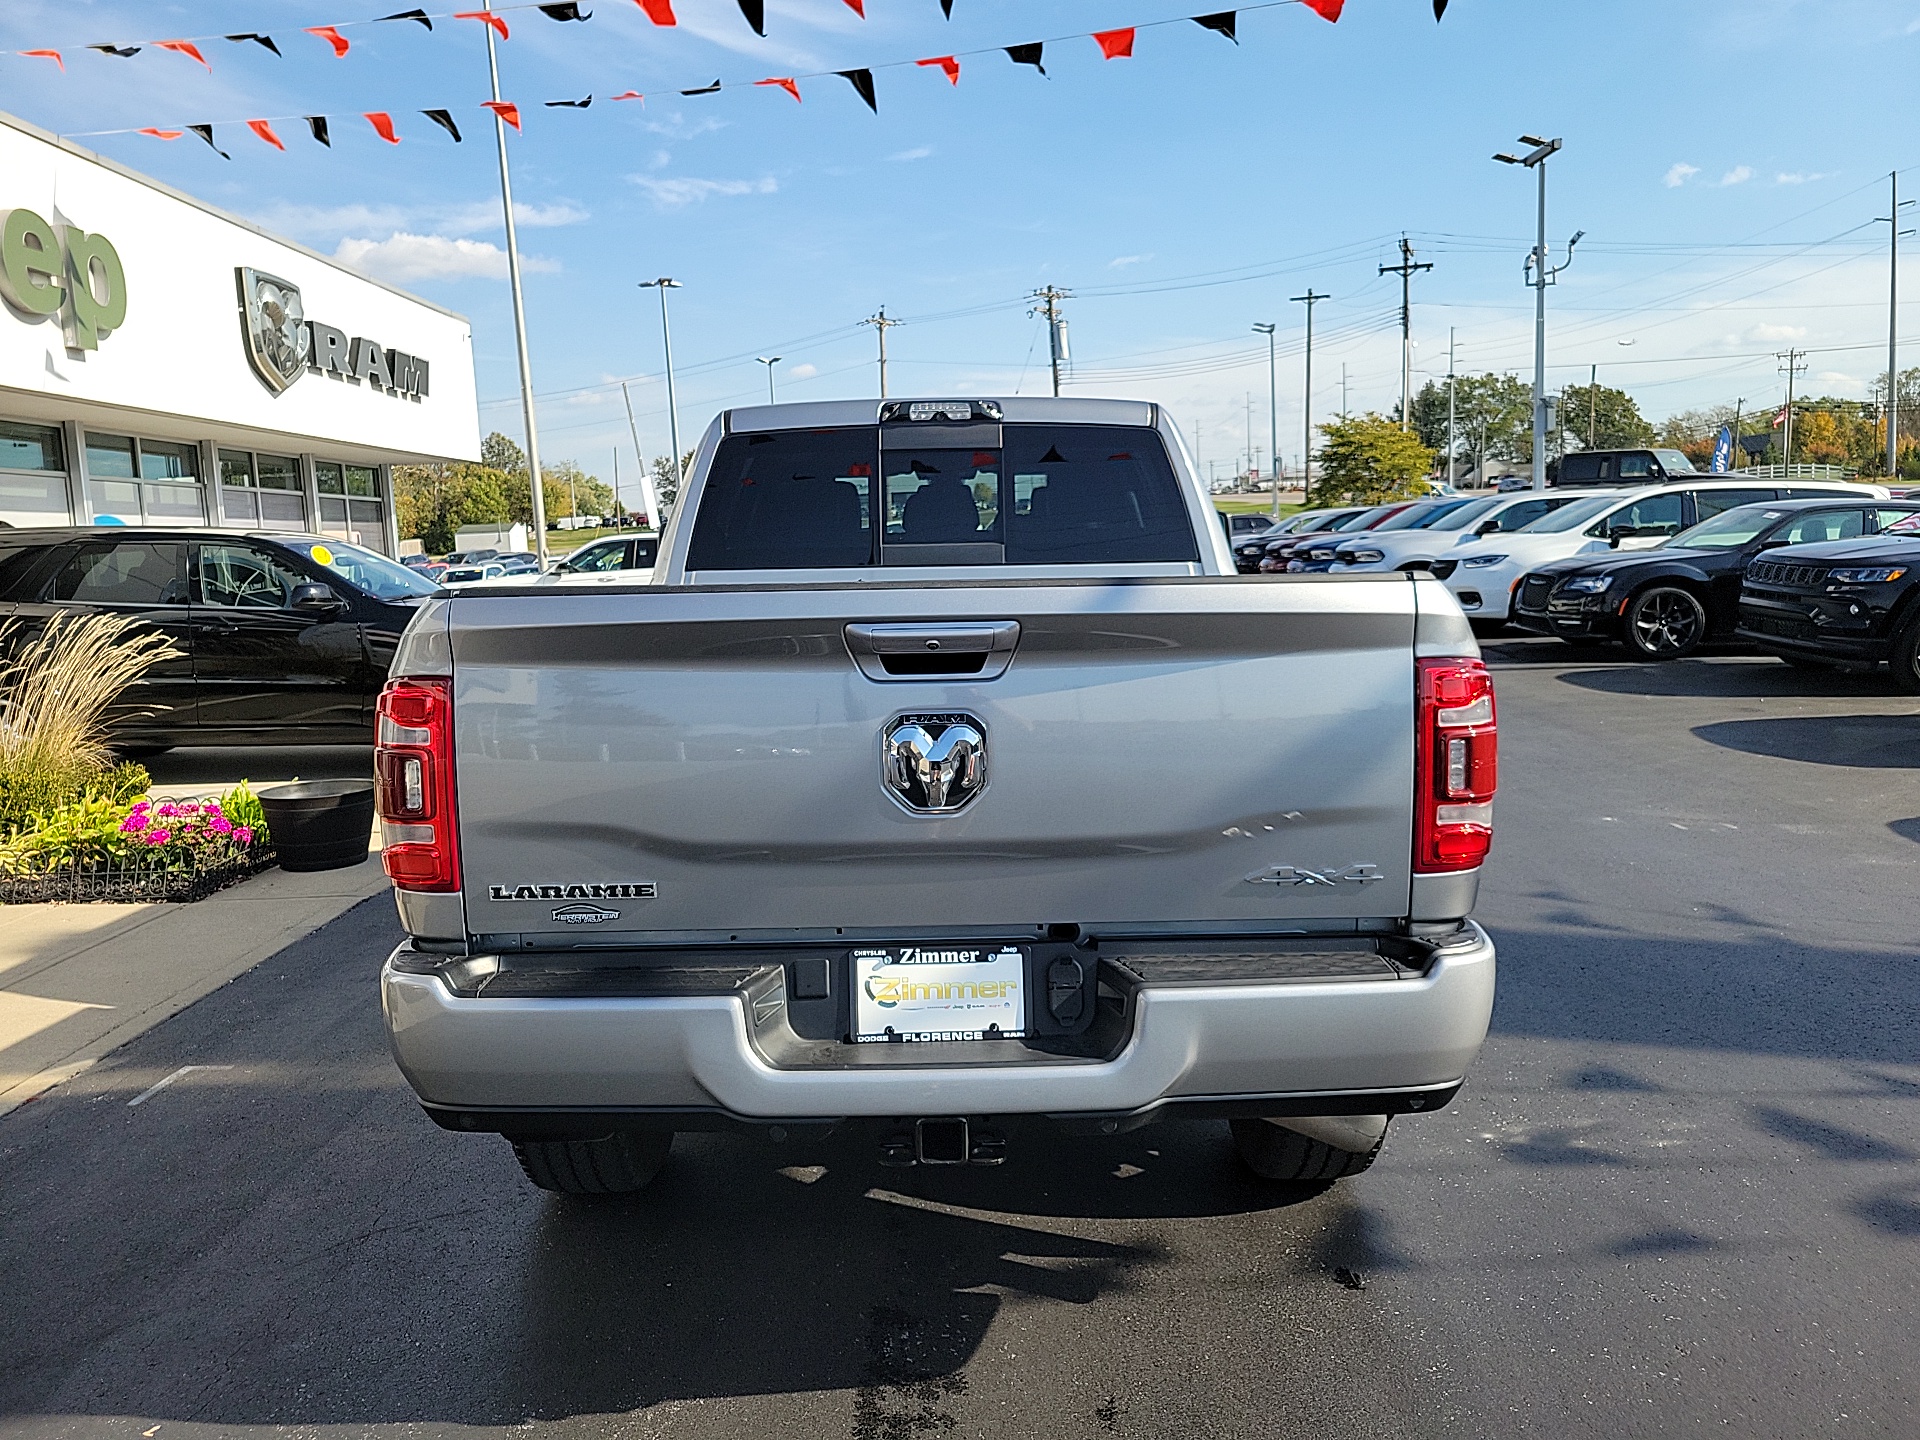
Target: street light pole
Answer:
pixel 519 308
pixel 1893 332
pixel 664 284
pixel 1273 403
pixel 1542 276
pixel 1450 411
pixel 769 361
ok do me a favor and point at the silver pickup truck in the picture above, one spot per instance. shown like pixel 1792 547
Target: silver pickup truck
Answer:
pixel 948 783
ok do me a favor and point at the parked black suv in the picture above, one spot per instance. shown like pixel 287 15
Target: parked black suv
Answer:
pixel 1589 469
pixel 1850 602
pixel 1668 601
pixel 287 637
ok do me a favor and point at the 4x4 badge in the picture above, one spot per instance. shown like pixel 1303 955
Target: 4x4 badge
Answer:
pixel 1301 875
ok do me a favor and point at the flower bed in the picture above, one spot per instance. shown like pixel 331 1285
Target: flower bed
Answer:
pixel 97 848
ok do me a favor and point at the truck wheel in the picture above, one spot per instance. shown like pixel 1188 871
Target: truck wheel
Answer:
pixel 1665 623
pixel 1903 660
pixel 1274 1152
pixel 612 1165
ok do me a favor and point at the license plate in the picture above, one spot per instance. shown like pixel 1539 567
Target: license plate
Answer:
pixel 914 992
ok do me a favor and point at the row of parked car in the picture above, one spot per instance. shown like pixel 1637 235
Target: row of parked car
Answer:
pixel 611 553
pixel 1819 573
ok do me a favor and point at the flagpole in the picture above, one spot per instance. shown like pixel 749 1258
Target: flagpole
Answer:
pixel 519 306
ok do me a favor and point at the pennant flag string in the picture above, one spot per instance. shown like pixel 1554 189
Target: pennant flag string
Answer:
pixel 1114 44
pixel 53 55
pixel 265 132
pixel 333 37
pixel 263 40
pixel 187 48
pixel 487 17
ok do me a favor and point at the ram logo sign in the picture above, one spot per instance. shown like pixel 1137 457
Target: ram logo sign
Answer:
pixel 283 344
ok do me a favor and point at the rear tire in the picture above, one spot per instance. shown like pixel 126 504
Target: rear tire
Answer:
pixel 1275 1153
pixel 616 1164
pixel 1665 622
pixel 1903 660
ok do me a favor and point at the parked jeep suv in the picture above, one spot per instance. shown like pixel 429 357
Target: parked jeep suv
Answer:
pixel 1843 602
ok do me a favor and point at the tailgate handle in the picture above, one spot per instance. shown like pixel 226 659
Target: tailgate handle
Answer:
pixel 973 649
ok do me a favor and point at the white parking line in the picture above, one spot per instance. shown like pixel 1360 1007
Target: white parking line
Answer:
pixel 159 1085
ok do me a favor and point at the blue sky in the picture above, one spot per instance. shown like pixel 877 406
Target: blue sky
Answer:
pixel 1726 161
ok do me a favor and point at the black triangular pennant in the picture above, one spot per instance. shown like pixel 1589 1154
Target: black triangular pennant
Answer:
pixel 1027 55
pixel 265 40
pixel 568 11
pixel 1222 22
pixel 444 119
pixel 703 90
pixel 123 51
pixel 756 13
pixel 419 15
pixel 862 82
pixel 946 8
pixel 205 132
pixel 568 104
pixel 1439 8
pixel 318 125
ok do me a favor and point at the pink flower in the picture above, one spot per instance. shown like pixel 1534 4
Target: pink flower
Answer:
pixel 166 810
pixel 244 835
pixel 220 825
pixel 158 837
pixel 134 822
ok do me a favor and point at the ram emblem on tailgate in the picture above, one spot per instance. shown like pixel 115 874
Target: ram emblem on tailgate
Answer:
pixel 934 764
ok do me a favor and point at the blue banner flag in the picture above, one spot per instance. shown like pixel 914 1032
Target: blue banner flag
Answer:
pixel 1723 451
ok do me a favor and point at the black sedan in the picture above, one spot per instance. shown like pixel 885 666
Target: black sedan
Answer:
pixel 1847 602
pixel 284 639
pixel 1668 601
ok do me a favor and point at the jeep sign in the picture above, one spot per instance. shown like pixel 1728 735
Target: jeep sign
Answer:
pixel 62 271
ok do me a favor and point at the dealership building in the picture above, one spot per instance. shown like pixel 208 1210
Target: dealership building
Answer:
pixel 163 363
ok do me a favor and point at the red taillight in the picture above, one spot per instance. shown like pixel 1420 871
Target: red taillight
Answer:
pixel 1456 766
pixel 413 771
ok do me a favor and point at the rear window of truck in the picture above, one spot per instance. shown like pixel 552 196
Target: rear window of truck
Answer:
pixel 1012 495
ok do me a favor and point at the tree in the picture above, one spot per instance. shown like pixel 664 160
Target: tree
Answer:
pixel 1367 460
pixel 431 502
pixel 1615 420
pixel 497 452
pixel 569 491
pixel 666 484
pixel 1491 410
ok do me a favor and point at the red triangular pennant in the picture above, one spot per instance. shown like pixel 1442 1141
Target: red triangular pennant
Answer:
pixel 184 47
pixel 333 37
pixel 859 7
pixel 629 95
pixel 785 82
pixel 1326 9
pixel 382 122
pixel 485 17
pixel 53 55
pixel 660 12
pixel 265 132
pixel 506 110
pixel 160 134
pixel 949 66
pixel 1114 44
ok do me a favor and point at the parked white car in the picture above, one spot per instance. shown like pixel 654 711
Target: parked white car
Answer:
pixel 1432 545
pixel 1485 573
pixel 458 575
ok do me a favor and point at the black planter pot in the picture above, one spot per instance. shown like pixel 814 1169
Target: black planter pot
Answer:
pixel 320 824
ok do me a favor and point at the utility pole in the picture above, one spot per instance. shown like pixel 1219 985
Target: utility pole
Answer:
pixel 1343 389
pixel 1541 276
pixel 881 325
pixel 1893 331
pixel 664 284
pixel 1406 270
pixel 1733 459
pixel 1450 408
pixel 519 307
pixel 618 509
pixel 1310 299
pixel 1792 365
pixel 1050 297
pixel 1249 469
pixel 769 361
pixel 1273 408
pixel 1593 403
pixel 648 496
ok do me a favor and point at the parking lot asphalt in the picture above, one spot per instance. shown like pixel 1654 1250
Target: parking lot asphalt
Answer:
pixel 1680 1193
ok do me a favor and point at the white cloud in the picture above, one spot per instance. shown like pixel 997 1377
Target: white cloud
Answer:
pixel 1739 175
pixel 1767 334
pixel 803 372
pixel 462 219
pixel 1680 174
pixel 1120 262
pixel 404 257
pixel 1800 177
pixel 685 190
pixel 918 152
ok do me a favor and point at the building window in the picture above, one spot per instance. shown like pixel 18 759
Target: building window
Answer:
pixel 262 489
pixel 33 474
pixel 351 504
pixel 143 482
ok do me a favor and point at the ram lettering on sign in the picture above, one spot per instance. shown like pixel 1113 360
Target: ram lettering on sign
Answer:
pixel 283 345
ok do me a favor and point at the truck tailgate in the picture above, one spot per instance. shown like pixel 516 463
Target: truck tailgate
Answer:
pixel 709 761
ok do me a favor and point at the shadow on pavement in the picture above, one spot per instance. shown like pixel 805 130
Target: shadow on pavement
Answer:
pixel 1869 742
pixel 1745 679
